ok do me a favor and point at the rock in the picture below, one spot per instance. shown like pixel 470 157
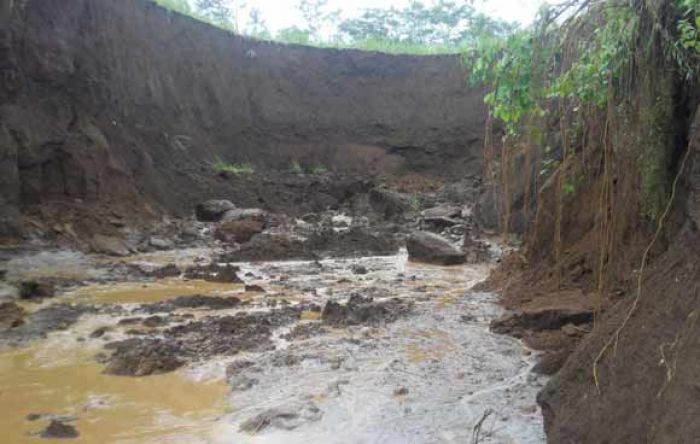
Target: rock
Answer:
pixel 110 245
pixel 160 243
pixel 33 290
pixel 170 270
pixel 59 430
pixel 193 301
pixel 99 332
pixel 11 315
pixel 311 218
pixel 438 223
pixel 154 321
pixel 285 418
pixel 433 249
pixel 359 269
pixel 442 211
pixel 547 313
pixel 254 289
pixel 268 247
pixel 215 273
pixel 389 204
pixel 213 210
pixel 362 311
pixel 142 357
pixel 241 214
pixel 239 231
pixel 403 391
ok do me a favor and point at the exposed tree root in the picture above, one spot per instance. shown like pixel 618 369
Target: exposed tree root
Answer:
pixel 615 337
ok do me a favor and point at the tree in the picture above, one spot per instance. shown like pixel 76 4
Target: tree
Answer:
pixel 181 6
pixel 216 12
pixel 294 35
pixel 442 22
pixel 316 17
pixel 256 25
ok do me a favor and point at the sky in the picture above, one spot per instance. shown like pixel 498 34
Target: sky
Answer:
pixel 279 14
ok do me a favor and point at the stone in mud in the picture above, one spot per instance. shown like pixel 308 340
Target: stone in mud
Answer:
pixel 59 430
pixel 213 210
pixel 547 313
pixel 193 301
pixel 52 318
pixel 433 249
pixel 99 332
pixel 446 211
pixel 389 204
pixel 239 231
pixel 269 247
pixel 254 289
pixel 160 243
pixel 11 315
pixel 246 214
pixel 142 357
pixel 154 321
pixel 215 273
pixel 359 269
pixel 34 290
pixel 285 418
pixel 438 223
pixel 109 245
pixel 304 331
pixel 360 310
pixel 170 270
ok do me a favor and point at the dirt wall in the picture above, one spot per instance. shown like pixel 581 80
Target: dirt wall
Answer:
pixel 113 101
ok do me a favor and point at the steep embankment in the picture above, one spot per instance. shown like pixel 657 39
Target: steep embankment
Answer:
pixel 647 379
pixel 120 106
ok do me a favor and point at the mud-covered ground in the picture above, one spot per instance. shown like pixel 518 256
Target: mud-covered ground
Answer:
pixel 365 349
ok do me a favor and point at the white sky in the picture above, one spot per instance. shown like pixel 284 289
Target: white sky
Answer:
pixel 280 14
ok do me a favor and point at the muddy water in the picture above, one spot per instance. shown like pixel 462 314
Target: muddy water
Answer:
pixel 429 377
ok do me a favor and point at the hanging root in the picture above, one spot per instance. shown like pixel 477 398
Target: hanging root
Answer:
pixel 615 337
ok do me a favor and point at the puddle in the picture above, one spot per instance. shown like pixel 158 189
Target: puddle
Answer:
pixel 106 408
pixel 147 292
pixel 429 377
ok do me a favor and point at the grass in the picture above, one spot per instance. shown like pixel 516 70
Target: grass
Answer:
pixel 241 168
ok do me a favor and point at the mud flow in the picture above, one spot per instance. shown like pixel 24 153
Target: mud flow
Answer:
pixel 362 350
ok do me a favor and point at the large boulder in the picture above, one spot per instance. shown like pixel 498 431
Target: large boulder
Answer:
pixel 433 249
pixel 239 214
pixel 239 231
pixel 241 224
pixel 110 245
pixel 213 210
pixel 389 204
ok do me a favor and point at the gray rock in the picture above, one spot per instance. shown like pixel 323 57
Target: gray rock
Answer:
pixel 442 211
pixel 285 418
pixel 110 245
pixel 242 214
pixel 160 243
pixel 213 210
pixel 387 203
pixel 433 249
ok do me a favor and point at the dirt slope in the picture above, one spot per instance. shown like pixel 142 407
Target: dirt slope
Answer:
pixel 648 385
pixel 115 104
